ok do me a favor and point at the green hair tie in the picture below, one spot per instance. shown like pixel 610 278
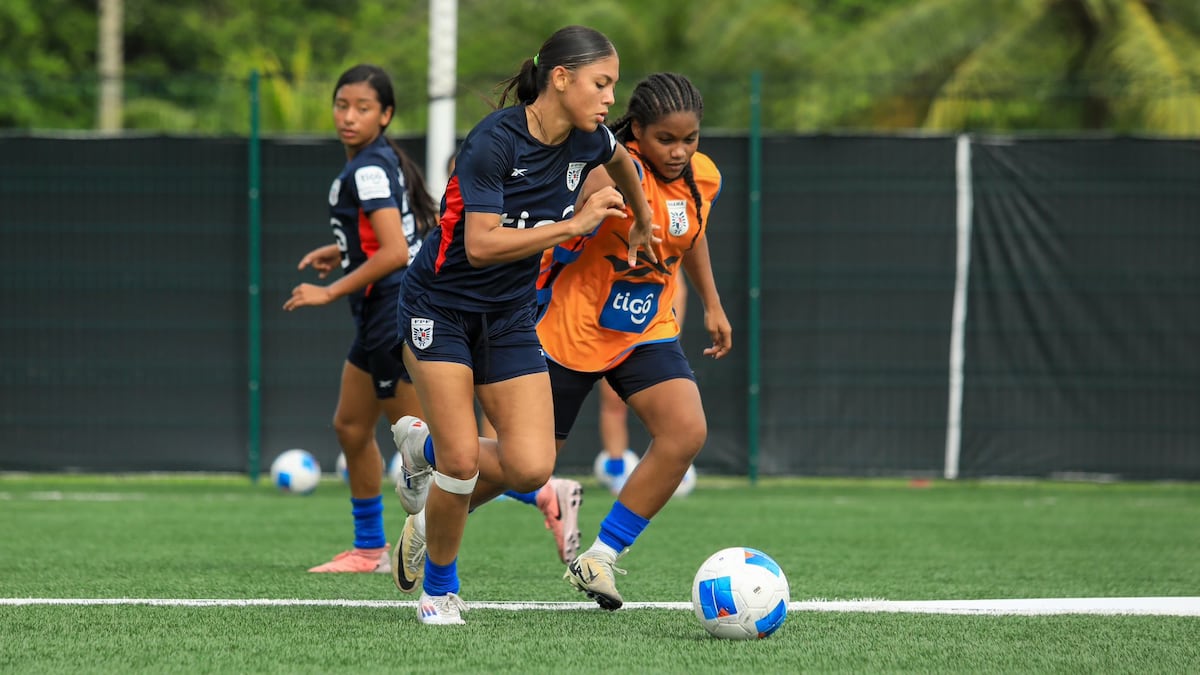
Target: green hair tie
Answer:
pixel 535 58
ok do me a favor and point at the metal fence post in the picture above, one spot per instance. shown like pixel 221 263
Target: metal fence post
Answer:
pixel 254 274
pixel 754 232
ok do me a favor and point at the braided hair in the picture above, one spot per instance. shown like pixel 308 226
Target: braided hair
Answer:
pixel 653 98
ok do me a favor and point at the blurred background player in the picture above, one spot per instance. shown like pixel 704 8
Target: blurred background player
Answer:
pixel 380 210
pixel 612 320
pixel 468 303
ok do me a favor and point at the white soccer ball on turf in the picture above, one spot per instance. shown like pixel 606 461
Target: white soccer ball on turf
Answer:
pixel 395 468
pixel 341 469
pixel 631 460
pixel 687 484
pixel 740 593
pixel 296 471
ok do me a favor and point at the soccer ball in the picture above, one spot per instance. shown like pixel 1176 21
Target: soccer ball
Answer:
pixel 296 471
pixel 740 593
pixel 395 468
pixel 631 460
pixel 687 484
pixel 389 470
pixel 341 469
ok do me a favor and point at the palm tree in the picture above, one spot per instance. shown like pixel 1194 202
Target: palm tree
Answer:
pixel 1129 65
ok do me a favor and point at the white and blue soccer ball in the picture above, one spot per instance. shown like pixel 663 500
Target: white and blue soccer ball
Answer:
pixel 395 468
pixel 390 469
pixel 296 472
pixel 631 460
pixel 687 484
pixel 341 469
pixel 740 593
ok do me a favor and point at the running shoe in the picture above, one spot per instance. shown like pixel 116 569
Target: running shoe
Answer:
pixel 412 486
pixel 441 609
pixel 358 560
pixel 559 500
pixel 592 573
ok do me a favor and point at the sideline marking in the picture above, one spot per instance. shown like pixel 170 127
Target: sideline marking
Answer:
pixel 1161 606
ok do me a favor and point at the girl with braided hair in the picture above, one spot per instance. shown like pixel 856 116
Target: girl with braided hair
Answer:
pixel 468 303
pixel 606 317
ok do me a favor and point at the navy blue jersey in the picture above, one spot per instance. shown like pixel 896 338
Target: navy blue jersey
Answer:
pixel 372 180
pixel 501 168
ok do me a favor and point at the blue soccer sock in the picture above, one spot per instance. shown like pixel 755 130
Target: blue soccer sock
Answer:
pixel 614 467
pixel 621 527
pixel 368 522
pixel 428 451
pixel 524 497
pixel 441 579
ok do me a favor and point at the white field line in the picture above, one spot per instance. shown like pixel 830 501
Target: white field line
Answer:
pixel 1162 606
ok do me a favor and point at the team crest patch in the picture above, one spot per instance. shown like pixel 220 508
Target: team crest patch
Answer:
pixel 574 173
pixel 677 216
pixel 334 190
pixel 422 332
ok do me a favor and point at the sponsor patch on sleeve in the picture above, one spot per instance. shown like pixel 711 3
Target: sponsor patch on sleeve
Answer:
pixel 372 183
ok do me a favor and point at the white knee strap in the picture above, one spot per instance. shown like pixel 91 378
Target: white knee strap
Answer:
pixel 456 486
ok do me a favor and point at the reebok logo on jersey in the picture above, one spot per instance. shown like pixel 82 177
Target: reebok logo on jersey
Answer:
pixel 630 306
pixel 384 384
pixel 519 173
pixel 422 332
pixel 372 183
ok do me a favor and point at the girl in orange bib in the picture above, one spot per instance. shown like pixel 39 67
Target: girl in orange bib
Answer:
pixel 603 317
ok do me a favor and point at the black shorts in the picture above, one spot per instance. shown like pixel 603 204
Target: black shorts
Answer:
pixel 646 366
pixel 374 335
pixel 496 346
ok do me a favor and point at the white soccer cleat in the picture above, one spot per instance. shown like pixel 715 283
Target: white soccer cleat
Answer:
pixel 592 573
pixel 412 486
pixel 441 609
pixel 408 556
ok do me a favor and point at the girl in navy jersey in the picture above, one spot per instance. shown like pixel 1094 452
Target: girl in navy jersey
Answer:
pixel 380 211
pixel 468 305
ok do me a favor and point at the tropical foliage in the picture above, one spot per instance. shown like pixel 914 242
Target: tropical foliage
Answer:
pixel 1122 65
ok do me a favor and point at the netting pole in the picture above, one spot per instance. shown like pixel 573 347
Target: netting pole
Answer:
pixel 754 273
pixel 254 274
pixel 958 318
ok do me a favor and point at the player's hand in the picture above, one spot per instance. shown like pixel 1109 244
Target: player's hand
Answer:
pixel 603 203
pixel 308 295
pixel 643 235
pixel 324 260
pixel 719 331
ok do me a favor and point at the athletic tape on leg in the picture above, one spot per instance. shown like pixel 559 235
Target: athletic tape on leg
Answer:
pixel 453 485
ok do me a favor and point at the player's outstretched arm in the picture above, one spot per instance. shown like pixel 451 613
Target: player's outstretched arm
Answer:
pixel 698 266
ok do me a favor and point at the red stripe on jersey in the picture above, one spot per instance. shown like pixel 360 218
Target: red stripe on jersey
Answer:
pixel 451 218
pixel 367 239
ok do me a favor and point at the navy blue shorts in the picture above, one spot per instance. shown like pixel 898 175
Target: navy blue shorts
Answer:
pixel 496 346
pixel 646 366
pixel 374 335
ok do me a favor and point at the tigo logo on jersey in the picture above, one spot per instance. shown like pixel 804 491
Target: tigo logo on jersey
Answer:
pixel 677 214
pixel 630 306
pixel 372 183
pixel 574 173
pixel 422 332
